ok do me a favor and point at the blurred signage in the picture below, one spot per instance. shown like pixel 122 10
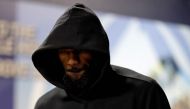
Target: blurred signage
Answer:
pixel 16 40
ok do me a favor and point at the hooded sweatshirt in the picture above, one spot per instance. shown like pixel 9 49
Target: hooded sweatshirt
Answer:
pixel 110 87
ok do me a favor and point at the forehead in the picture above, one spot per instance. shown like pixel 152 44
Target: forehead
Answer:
pixel 74 50
pixel 67 49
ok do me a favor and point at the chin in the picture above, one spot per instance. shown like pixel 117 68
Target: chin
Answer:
pixel 73 83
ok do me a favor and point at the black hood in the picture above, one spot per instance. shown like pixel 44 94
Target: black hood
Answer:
pixel 77 28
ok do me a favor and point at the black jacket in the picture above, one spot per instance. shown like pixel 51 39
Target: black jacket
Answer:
pixel 113 87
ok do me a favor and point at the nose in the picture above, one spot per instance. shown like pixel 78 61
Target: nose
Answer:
pixel 73 59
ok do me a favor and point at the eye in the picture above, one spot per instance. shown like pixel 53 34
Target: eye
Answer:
pixel 86 54
pixel 65 51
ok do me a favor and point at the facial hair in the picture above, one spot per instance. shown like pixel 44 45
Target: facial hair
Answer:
pixel 75 86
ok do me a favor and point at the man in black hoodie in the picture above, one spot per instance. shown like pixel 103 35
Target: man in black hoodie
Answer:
pixel 75 58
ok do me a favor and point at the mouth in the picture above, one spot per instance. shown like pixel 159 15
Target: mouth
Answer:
pixel 74 70
pixel 75 74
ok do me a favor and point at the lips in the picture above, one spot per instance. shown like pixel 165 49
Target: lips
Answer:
pixel 74 74
pixel 74 70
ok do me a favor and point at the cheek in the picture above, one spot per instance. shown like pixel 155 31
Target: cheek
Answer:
pixel 85 58
pixel 63 59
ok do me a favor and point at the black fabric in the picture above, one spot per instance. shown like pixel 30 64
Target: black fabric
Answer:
pixel 111 87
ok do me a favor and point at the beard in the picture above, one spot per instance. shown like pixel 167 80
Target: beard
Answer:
pixel 78 87
pixel 75 86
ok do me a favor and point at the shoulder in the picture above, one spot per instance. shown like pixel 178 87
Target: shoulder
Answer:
pixel 147 91
pixel 139 83
pixel 128 73
pixel 49 98
pixel 134 78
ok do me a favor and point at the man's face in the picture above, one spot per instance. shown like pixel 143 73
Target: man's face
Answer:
pixel 75 62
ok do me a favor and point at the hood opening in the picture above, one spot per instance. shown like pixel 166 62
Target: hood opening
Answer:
pixel 50 67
